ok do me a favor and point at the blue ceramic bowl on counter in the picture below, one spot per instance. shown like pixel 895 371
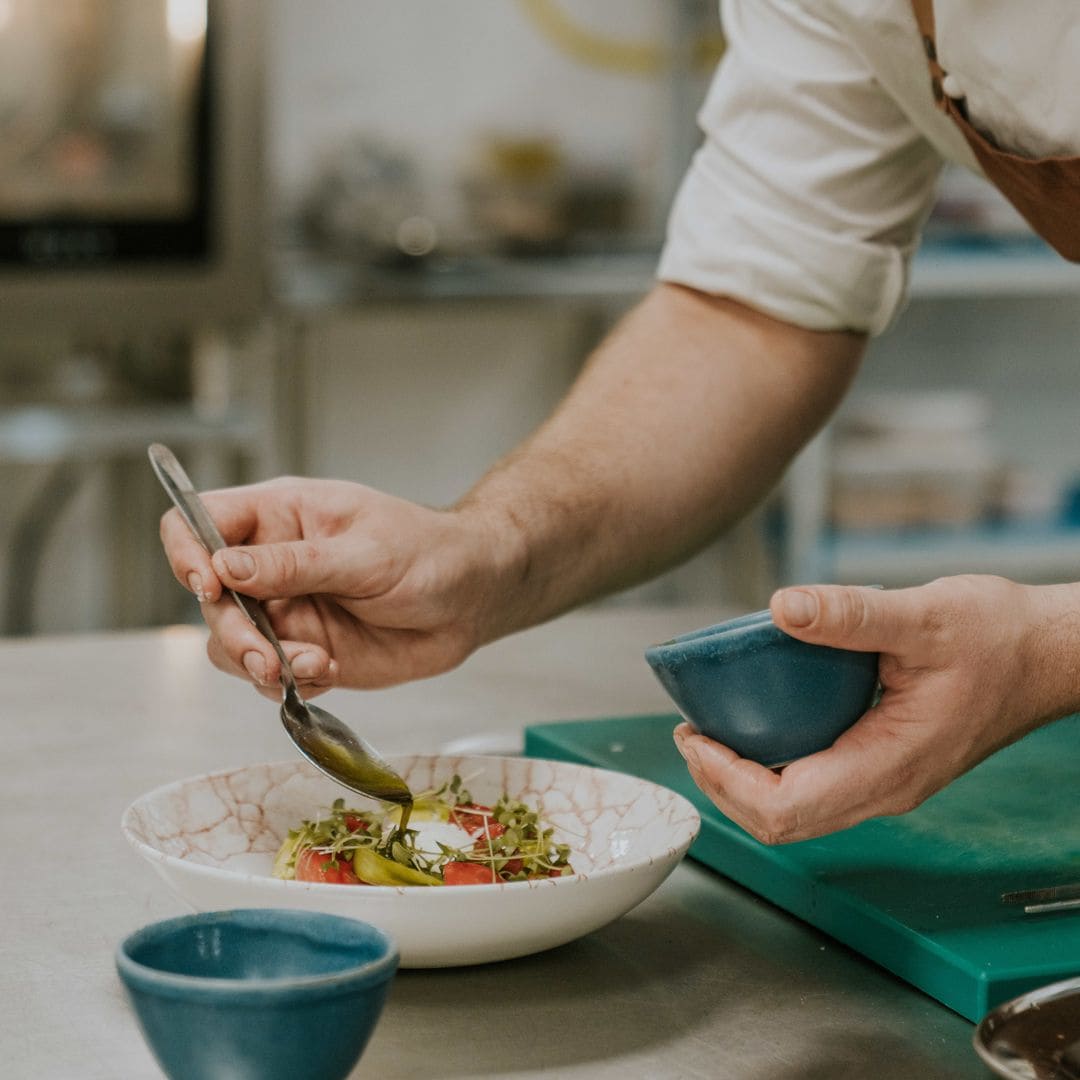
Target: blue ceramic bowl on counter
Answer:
pixel 257 994
pixel 767 695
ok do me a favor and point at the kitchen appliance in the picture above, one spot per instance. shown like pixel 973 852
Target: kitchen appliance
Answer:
pixel 130 191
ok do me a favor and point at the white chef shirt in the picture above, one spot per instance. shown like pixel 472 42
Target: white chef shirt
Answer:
pixel 823 144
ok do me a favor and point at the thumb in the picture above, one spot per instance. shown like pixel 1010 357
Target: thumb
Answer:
pixel 851 616
pixel 271 571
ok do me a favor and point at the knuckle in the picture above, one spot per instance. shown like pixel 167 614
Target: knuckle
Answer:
pixel 763 834
pixel 962 600
pixel 283 563
pixel 845 609
pixel 778 825
pixel 307 552
pixel 281 482
pixel 938 618
pixel 294 561
pixel 216 654
pixel 991 591
pixel 855 614
pixel 770 836
pixel 279 565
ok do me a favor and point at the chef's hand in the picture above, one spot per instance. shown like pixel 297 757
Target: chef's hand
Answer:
pixel 968 665
pixel 364 589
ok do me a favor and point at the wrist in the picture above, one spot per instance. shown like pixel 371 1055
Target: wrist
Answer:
pixel 1051 650
pixel 494 567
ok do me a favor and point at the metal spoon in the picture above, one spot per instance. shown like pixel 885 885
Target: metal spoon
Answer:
pixel 323 739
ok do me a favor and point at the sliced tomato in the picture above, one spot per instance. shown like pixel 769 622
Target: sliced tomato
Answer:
pixel 494 831
pixel 472 817
pixel 355 824
pixel 312 865
pixel 468 873
pixel 513 866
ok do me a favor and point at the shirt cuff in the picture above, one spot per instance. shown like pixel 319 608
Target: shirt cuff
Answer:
pixel 784 268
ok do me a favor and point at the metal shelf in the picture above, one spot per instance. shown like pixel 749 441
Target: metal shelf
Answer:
pixel 1023 269
pixel 1032 553
pixel 308 281
pixel 49 434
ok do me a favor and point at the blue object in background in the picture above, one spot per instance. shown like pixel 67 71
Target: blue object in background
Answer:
pixel 1070 505
pixel 768 696
pixel 260 994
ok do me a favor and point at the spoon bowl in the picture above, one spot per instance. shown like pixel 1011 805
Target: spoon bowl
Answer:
pixel 335 749
pixel 322 738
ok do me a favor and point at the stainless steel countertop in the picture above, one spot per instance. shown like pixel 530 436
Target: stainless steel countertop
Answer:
pixel 701 980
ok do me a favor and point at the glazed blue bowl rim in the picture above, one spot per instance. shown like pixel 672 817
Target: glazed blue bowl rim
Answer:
pixel 756 626
pixel 255 991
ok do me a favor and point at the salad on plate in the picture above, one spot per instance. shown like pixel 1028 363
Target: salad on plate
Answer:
pixel 447 840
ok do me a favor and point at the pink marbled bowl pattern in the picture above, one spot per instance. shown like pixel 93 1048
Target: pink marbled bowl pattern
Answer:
pixel 212 839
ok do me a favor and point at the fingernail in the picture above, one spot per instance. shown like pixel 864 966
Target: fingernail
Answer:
pixel 307 666
pixel 240 564
pixel 688 751
pixel 800 608
pixel 255 666
pixel 195 585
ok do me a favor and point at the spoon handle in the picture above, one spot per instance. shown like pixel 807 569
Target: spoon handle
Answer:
pixel 180 489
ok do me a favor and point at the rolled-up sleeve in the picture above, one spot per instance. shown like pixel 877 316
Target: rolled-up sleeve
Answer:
pixel 807 197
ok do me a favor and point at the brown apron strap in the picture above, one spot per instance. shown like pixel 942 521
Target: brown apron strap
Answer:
pixel 1046 191
pixel 924 16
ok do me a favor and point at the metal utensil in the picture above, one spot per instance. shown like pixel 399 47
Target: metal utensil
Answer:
pixel 1035 1036
pixel 1050 898
pixel 323 739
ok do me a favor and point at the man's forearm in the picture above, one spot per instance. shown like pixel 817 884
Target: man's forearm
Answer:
pixel 682 420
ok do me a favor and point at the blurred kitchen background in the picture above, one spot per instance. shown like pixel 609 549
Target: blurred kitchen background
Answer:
pixel 376 241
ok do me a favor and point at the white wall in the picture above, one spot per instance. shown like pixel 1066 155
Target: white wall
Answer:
pixel 436 76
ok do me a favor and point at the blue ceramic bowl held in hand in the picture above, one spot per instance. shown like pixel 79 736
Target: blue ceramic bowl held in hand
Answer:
pixel 257 994
pixel 761 692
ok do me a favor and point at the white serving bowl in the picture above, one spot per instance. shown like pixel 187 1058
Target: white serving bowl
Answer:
pixel 213 838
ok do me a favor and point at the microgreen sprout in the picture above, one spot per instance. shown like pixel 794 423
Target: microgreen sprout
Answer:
pixel 509 838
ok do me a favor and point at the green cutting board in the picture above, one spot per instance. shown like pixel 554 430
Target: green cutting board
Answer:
pixel 918 894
